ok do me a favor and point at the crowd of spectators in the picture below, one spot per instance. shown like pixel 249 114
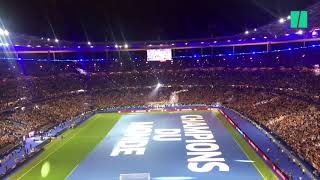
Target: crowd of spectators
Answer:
pixel 285 100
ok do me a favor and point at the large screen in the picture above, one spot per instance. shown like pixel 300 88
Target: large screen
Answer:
pixel 159 54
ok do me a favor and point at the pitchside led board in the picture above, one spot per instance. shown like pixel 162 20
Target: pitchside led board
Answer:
pixel 159 54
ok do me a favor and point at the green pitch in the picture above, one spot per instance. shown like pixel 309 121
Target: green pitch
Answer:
pixel 61 156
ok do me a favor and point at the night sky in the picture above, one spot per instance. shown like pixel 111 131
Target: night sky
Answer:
pixel 135 20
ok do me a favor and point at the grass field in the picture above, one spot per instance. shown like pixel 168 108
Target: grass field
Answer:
pixel 61 156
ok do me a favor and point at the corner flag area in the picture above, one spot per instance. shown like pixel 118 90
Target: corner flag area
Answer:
pixel 160 146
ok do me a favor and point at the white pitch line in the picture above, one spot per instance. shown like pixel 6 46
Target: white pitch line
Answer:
pixel 47 156
pixel 52 152
pixel 72 170
pixel 246 161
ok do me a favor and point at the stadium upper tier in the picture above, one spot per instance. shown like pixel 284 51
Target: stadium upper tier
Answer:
pixel 276 32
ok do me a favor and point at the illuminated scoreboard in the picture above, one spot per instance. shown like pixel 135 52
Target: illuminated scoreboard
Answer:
pixel 159 54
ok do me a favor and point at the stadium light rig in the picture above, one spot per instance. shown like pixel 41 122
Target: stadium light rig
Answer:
pixel 4 32
pixel 300 32
pixel 159 85
pixel 282 20
pixel 314 33
pixel 4 44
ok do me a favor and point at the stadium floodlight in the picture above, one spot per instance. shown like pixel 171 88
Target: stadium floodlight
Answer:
pixel 314 33
pixel 246 32
pixel 159 85
pixel 300 32
pixel 281 20
pixel 6 32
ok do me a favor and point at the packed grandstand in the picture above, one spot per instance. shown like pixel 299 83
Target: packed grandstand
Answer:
pixel 278 88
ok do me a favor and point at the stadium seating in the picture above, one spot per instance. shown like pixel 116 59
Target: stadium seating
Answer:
pixel 285 100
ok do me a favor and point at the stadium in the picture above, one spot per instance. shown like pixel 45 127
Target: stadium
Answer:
pixel 91 91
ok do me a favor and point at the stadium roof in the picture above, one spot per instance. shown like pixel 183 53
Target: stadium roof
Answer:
pixel 274 31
